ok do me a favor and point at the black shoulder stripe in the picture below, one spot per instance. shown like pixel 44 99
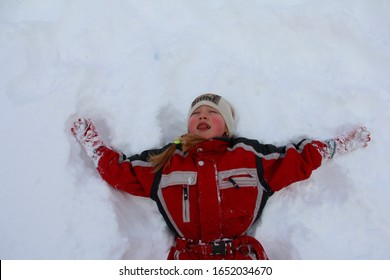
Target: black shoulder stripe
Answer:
pixel 145 154
pixel 264 149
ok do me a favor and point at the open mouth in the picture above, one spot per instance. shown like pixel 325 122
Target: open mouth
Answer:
pixel 203 126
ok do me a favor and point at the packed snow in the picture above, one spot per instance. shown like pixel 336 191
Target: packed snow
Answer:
pixel 292 69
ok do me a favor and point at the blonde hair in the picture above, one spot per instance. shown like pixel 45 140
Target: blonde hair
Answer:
pixel 163 159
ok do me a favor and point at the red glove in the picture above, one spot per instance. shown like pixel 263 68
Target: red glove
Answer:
pixel 85 132
pixel 354 140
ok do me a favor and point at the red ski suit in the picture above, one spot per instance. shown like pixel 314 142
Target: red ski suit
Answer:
pixel 211 195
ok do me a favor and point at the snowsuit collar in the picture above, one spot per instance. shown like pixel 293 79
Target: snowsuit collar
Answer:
pixel 210 146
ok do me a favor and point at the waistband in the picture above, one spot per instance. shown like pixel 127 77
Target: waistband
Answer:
pixel 243 245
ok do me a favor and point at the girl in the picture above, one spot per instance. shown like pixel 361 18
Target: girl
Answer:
pixel 210 186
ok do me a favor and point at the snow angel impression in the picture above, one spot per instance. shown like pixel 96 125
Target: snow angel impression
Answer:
pixel 209 185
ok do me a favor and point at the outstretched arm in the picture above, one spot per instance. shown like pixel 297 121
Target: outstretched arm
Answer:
pixel 118 171
pixel 294 163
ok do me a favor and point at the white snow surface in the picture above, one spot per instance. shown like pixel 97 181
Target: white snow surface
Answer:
pixel 292 69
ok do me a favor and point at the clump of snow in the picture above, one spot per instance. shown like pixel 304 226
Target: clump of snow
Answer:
pixel 292 69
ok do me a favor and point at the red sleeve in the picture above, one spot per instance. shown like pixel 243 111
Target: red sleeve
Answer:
pixel 295 164
pixel 134 177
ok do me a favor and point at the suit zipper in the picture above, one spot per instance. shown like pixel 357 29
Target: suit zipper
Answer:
pixel 219 199
pixel 186 204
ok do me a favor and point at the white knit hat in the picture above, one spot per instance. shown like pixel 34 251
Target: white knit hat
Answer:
pixel 219 103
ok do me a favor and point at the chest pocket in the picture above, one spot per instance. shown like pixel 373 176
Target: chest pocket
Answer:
pixel 243 177
pixel 174 186
pixel 240 198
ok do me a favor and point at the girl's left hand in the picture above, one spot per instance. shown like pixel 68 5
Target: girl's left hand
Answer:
pixel 355 139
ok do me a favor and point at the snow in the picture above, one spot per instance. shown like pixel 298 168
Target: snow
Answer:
pixel 292 69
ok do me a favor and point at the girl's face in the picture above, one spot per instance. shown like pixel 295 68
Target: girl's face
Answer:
pixel 207 122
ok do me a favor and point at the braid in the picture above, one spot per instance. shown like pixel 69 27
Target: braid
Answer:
pixel 163 159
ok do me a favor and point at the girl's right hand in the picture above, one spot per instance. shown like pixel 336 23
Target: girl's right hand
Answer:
pixel 86 134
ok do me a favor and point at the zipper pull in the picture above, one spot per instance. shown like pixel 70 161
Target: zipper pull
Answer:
pixel 185 192
pixel 233 182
